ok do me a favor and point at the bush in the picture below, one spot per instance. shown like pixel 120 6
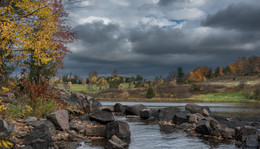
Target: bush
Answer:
pixel 150 93
pixel 195 87
pixel 252 92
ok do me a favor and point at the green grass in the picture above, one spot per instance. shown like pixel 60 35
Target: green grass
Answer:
pixel 221 97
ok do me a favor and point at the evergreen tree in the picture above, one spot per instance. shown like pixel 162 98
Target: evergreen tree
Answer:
pixel 180 75
pixel 217 72
pixel 150 93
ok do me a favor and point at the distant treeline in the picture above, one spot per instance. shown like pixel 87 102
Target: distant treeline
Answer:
pixel 241 67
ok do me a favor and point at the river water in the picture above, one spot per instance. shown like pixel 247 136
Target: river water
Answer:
pixel 149 136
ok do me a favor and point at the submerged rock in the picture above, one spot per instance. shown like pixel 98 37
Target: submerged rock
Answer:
pixel 208 127
pixel 118 107
pixel 116 143
pixel 194 108
pixel 134 109
pixel 119 128
pixel 167 114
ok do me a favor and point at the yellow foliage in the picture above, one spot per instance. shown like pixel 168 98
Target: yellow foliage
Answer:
pixel 93 80
pixel 120 87
pixel 102 81
pixel 27 110
pixel 31 26
pixel 5 142
pixel 69 84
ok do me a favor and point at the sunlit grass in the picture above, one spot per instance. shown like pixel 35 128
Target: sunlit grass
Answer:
pixel 221 97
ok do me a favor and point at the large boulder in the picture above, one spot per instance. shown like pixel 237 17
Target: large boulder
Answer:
pixel 208 126
pixel 149 113
pixel 194 108
pixel 194 118
pixel 48 123
pixel 227 133
pixel 119 128
pixel 116 143
pixel 95 131
pixel 252 141
pixel 102 117
pixel 60 119
pixel 118 107
pixel 180 118
pixel 5 128
pixel 243 132
pixel 134 109
pixel 39 138
pixel 166 127
pixel 92 105
pixel 167 114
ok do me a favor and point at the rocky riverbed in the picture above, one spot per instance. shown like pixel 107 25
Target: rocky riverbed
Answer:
pixel 90 122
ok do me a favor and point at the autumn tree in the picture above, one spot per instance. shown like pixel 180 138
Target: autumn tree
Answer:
pixel 34 32
pixel 102 81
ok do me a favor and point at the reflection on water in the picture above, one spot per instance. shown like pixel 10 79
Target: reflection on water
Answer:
pixel 147 136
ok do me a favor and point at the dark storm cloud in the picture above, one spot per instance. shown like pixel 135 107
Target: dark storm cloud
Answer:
pixel 242 16
pixel 119 34
pixel 167 2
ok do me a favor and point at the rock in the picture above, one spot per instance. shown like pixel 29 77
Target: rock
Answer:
pixel 242 132
pixel 60 119
pixel 183 126
pixel 229 121
pixel 194 118
pixel 120 129
pixel 208 127
pixel 118 107
pixel 102 117
pixel 92 106
pixel 76 127
pixel 5 128
pixel 26 147
pixel 97 131
pixel 39 138
pixel 84 117
pixel 134 109
pixel 227 133
pixel 251 142
pixel 166 127
pixel 180 118
pixel 145 114
pixel 194 108
pixel 49 124
pixel 30 119
pixel 116 143
pixel 167 114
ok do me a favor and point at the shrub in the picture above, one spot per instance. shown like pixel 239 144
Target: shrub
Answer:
pixel 195 87
pixel 252 92
pixel 150 93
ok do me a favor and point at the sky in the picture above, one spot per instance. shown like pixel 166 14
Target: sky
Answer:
pixel 154 37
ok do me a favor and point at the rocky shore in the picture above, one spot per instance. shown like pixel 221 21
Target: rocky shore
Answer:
pixel 87 120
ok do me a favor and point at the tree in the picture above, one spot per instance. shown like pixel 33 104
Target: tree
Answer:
pixel 172 76
pixel 150 93
pixel 92 74
pixel 114 73
pixel 102 81
pixel 180 75
pixel 217 72
pixel 139 78
pixel 34 30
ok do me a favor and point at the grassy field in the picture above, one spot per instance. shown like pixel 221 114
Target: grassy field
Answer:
pixel 218 94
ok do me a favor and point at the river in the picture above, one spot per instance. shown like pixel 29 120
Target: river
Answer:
pixel 149 136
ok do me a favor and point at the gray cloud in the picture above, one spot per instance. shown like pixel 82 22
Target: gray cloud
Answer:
pixel 142 37
pixel 242 16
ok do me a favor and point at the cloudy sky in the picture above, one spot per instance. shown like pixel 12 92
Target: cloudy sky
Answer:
pixel 154 37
